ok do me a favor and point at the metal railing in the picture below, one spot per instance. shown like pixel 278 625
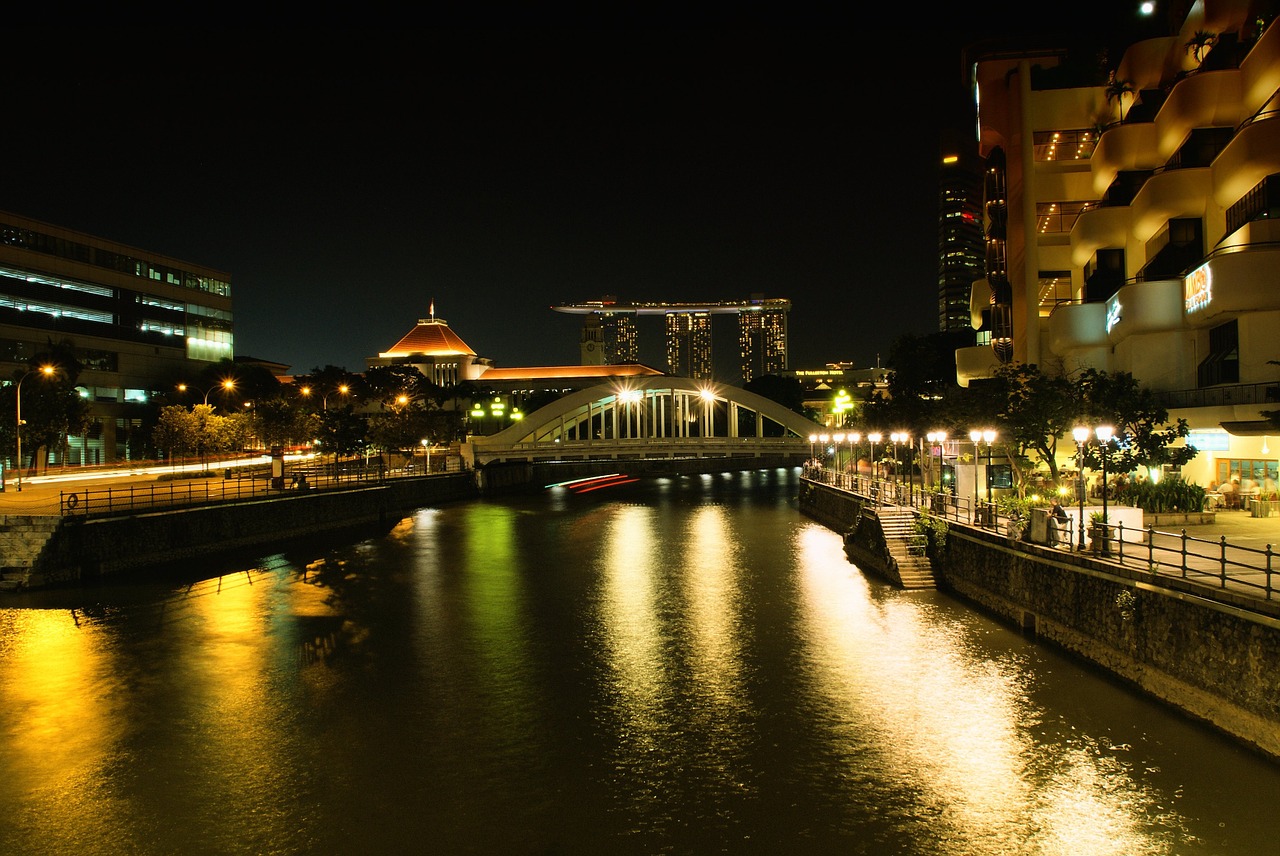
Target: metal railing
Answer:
pixel 1209 562
pixel 232 486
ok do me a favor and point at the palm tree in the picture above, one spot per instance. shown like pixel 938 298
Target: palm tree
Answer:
pixel 1117 90
pixel 1197 44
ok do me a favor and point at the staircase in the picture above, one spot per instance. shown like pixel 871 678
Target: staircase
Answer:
pixel 22 539
pixel 906 547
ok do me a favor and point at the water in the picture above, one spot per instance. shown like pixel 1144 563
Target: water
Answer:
pixel 685 666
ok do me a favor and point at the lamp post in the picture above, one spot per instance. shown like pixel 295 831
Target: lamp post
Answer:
pixel 975 435
pixel 838 438
pixel 1104 434
pixel 426 453
pixel 989 436
pixel 854 439
pixel 937 438
pixel 873 438
pixel 1081 435
pixel 822 440
pixel 47 371
pixel 813 438
pixel 226 385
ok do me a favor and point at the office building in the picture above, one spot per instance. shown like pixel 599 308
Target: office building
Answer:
pixel 688 332
pixel 960 244
pixel 1133 223
pixel 137 322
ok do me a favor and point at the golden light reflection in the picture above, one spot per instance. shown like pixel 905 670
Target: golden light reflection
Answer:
pixel 953 723
pixel 631 627
pixel 60 718
pixel 712 590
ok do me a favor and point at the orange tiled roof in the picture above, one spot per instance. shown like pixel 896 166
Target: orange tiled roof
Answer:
pixel 432 337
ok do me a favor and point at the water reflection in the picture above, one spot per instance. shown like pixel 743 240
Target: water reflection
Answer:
pixel 958 728
pixel 682 666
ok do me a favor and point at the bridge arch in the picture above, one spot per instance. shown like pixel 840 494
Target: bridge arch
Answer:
pixel 651 417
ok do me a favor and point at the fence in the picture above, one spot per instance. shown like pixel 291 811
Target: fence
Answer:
pixel 233 486
pixel 1213 562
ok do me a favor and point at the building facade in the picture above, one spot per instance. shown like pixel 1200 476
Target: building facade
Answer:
pixel 688 339
pixel 137 321
pixel 1132 224
pixel 960 245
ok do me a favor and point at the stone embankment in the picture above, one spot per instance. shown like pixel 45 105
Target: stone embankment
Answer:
pixel 65 550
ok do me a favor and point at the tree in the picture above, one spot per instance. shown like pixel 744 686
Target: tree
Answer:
pixel 1143 435
pixel 52 407
pixel 1037 410
pixel 176 430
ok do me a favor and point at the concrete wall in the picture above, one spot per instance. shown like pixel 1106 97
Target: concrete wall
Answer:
pixel 1216 659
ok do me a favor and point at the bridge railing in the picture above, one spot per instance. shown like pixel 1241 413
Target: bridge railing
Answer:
pixel 641 447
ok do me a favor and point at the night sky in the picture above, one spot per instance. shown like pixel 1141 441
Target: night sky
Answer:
pixel 346 180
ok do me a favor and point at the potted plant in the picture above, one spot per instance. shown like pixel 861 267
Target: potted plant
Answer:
pixel 1099 534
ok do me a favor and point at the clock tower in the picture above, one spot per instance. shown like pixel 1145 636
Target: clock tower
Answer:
pixel 592 343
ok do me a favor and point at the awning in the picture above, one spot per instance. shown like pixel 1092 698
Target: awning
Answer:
pixel 1251 428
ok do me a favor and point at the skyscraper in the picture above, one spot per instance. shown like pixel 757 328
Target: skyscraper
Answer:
pixel 689 344
pixel 762 333
pixel 960 240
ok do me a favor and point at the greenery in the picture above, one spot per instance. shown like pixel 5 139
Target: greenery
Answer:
pixel 934 528
pixel 1168 495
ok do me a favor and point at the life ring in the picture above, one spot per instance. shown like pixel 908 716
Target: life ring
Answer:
pixel 73 501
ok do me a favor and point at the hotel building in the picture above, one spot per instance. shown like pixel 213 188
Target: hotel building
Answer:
pixel 610 329
pixel 1133 225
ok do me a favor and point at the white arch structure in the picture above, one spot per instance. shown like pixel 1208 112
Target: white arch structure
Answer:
pixel 654 417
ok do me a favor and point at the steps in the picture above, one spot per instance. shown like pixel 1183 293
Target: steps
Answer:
pixel 906 547
pixel 22 539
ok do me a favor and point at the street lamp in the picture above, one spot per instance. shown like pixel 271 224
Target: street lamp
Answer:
pixel 989 436
pixel 937 438
pixel 426 451
pixel 813 438
pixel 341 389
pixel 822 463
pixel 47 371
pixel 838 438
pixel 975 435
pixel 1081 435
pixel 1104 434
pixel 226 385
pixel 873 438
pixel 855 438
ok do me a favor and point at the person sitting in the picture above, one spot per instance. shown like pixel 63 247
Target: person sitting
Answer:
pixel 1058 522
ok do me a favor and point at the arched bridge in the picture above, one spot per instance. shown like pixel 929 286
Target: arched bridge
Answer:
pixel 649 419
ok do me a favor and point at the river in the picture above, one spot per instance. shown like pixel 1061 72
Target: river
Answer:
pixel 682 666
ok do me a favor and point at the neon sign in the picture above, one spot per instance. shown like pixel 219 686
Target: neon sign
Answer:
pixel 1113 315
pixel 1197 289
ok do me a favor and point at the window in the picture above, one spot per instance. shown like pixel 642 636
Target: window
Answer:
pixel 1065 145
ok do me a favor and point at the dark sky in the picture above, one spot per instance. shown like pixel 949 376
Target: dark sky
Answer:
pixel 348 179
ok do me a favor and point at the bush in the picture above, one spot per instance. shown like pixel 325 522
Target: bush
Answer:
pixel 1170 494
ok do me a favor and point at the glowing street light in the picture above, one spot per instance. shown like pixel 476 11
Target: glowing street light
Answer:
pixel 873 438
pixel 226 385
pixel 47 371
pixel 989 437
pixel 1081 435
pixel 937 438
pixel 855 438
pixel 813 439
pixel 426 451
pixel 1104 433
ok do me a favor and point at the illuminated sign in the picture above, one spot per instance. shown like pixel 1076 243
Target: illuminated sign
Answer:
pixel 1113 314
pixel 1209 441
pixel 1197 289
